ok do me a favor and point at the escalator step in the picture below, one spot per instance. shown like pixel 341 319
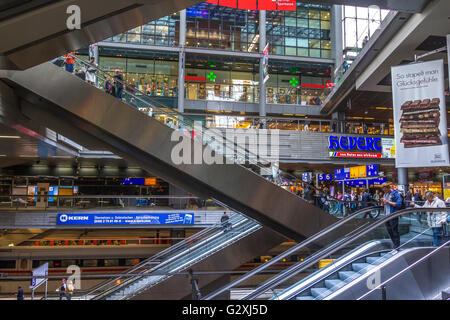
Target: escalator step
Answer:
pixel 304 298
pixel 361 267
pixel 343 275
pixel 318 291
pixel 375 260
pixel 334 284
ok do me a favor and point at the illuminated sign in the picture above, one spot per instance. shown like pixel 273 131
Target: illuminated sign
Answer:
pixel 318 86
pixel 325 177
pixel 351 143
pixel 129 218
pixel 355 155
pixel 358 172
pixel 188 78
pixel 280 5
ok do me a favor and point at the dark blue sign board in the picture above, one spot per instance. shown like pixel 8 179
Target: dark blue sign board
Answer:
pixel 325 177
pixel 133 181
pixel 342 174
pixel 372 170
pixel 128 218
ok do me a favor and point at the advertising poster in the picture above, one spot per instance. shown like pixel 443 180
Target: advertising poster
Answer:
pixel 124 218
pixel 265 63
pixel 388 146
pixel 420 115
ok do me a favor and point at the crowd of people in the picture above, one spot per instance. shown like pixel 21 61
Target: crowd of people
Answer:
pixel 391 199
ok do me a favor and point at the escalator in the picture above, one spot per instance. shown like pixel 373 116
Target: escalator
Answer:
pixel 96 119
pixel 361 263
pixel 83 113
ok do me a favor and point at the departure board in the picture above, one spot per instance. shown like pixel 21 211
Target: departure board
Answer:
pixel 358 172
pixel 372 170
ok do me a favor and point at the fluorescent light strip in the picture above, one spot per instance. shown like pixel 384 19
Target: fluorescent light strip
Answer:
pixel 10 137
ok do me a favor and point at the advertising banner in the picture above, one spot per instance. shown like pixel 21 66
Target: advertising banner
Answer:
pixel 420 115
pixel 265 63
pixel 388 146
pixel 124 218
pixel 38 276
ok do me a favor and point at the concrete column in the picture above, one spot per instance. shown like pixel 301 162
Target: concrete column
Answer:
pixel 340 127
pixel 336 36
pixel 402 179
pixel 181 61
pixel 262 45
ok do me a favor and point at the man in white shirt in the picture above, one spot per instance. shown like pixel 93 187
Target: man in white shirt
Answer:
pixel 436 220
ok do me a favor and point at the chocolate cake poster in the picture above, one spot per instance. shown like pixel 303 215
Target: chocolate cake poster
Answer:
pixel 420 115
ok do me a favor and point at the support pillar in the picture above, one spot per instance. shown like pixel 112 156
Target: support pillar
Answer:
pixel 337 51
pixel 262 85
pixel 181 61
pixel 402 179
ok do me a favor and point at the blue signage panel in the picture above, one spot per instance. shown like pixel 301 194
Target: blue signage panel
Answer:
pixel 372 170
pixel 134 181
pixel 342 174
pixel 128 218
pixel 325 177
pixel 352 143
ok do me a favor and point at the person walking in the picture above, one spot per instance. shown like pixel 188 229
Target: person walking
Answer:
pixel 308 195
pixel 365 199
pixel 436 220
pixel 20 293
pixel 69 290
pixel 91 72
pixel 392 201
pixel 62 289
pixel 365 40
pixel 224 221
pixel 68 62
pixel 118 84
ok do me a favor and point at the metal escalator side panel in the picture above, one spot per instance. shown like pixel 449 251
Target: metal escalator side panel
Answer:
pixel 422 282
pixel 178 287
pixel 147 142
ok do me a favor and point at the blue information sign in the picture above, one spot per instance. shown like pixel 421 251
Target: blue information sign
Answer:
pixel 128 218
pixel 342 174
pixel 372 170
pixel 325 177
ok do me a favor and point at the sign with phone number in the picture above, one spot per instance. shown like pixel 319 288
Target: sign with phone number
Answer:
pixel 124 219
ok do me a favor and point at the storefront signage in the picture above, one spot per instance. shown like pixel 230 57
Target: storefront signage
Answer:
pixel 318 86
pixel 351 143
pixel 280 5
pixel 420 115
pixel 363 155
pixel 128 218
pixel 189 78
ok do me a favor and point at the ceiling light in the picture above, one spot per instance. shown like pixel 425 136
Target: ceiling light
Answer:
pixel 10 137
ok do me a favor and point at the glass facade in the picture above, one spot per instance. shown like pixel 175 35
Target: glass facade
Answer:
pixel 359 22
pixel 305 32
pixel 155 77
pixel 217 27
pixel 162 32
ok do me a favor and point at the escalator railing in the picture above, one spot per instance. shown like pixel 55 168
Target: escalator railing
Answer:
pixel 322 238
pixel 176 258
pixel 288 287
pixel 233 152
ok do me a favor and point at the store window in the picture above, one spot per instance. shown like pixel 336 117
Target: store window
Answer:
pixel 300 33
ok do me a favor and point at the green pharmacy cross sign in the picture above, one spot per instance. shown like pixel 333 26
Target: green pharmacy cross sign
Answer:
pixel 294 82
pixel 212 77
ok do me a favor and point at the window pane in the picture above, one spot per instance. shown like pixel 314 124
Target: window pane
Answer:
pixel 325 15
pixel 314 53
pixel 314 24
pixel 325 25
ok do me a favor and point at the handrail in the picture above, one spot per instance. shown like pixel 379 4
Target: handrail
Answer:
pixel 135 278
pixel 290 251
pixel 295 269
pixel 406 269
pixel 175 115
pixel 171 249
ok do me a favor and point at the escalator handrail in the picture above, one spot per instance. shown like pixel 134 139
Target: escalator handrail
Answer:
pixel 180 117
pixel 167 251
pixel 432 253
pixel 143 273
pixel 290 251
pixel 298 267
pixel 253 228
pixel 329 272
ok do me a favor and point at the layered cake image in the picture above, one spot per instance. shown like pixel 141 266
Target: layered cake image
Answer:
pixel 419 123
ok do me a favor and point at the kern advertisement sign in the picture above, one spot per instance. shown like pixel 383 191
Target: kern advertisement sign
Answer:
pixel 420 115
pixel 128 218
